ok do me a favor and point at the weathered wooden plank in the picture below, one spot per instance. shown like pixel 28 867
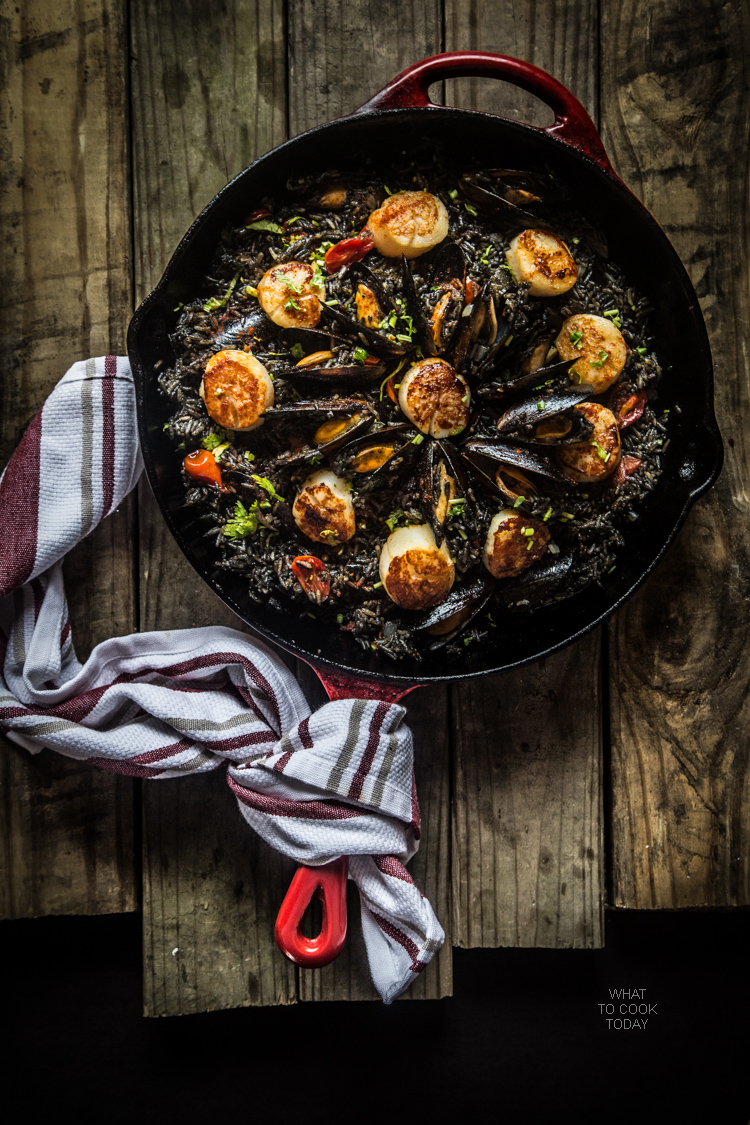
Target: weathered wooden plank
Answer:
pixel 209 95
pixel 675 107
pixel 65 290
pixel 348 978
pixel 527 835
pixel 339 55
pixel 527 807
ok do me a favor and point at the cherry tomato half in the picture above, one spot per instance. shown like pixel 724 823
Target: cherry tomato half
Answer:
pixel 313 577
pixel 201 467
pixel 347 251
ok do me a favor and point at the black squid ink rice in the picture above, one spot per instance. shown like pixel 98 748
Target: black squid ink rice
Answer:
pixel 411 402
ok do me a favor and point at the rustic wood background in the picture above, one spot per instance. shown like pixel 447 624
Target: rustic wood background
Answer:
pixel 615 772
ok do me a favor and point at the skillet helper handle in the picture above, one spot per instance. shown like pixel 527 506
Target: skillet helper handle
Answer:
pixel 329 881
pixel 572 124
pixel 329 884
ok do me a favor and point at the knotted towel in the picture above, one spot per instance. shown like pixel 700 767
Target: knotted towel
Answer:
pixel 158 705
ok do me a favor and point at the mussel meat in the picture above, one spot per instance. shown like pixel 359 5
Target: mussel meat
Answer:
pixel 506 192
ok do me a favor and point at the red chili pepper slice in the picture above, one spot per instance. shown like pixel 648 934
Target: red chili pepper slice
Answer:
pixel 256 216
pixel 202 467
pixel 313 577
pixel 347 251
pixel 627 404
pixel 627 466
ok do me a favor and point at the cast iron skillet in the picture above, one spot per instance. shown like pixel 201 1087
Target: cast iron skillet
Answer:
pixel 571 148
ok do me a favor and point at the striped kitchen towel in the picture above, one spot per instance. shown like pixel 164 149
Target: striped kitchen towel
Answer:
pixel 160 705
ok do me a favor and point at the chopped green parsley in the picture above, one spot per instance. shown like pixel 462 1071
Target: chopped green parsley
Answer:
pixel 221 302
pixel 265 483
pixel 244 521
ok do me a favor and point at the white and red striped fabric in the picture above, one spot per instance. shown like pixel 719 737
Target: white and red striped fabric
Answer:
pixel 161 705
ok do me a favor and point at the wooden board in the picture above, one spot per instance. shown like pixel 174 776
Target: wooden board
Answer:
pixel 674 99
pixel 65 289
pixel 339 55
pixel 209 94
pixel 527 829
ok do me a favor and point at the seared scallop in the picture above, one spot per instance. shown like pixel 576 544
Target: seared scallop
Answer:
pixel 289 296
pixel 595 459
pixel 543 260
pixel 435 398
pixel 513 543
pixel 409 223
pixel 236 389
pixel 415 572
pixel 323 510
pixel 600 345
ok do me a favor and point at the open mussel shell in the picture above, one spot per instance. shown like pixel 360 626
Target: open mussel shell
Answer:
pixel 311 407
pixel 438 485
pixel 443 266
pixel 513 196
pixel 358 375
pixel 539 407
pixel 494 334
pixel 473 318
pixel 377 457
pixel 517 385
pixel 255 326
pixel 361 272
pixel 423 335
pixel 540 584
pixel 311 339
pixel 568 428
pixel 346 325
pixel 447 620
pixel 328 437
pixel 506 453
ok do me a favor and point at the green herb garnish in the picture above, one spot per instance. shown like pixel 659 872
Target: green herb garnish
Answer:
pixel 641 351
pixel 360 355
pixel 418 439
pixel 518 501
pixel 576 337
pixel 265 224
pixel 265 483
pixel 470 207
pixel 394 517
pixel 298 351
pixel 243 523
pixel 291 305
pixel 225 437
pixel 614 316
pixel 600 360
pixel 221 302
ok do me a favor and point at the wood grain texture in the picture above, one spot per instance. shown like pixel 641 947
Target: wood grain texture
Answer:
pixel 339 55
pixel 208 96
pixel 528 862
pixel 348 978
pixel 674 99
pixel 528 829
pixel 65 289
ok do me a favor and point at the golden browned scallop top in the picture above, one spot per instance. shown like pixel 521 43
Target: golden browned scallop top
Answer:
pixel 323 509
pixel 595 459
pixel 289 297
pixel 236 389
pixel 513 543
pixel 415 572
pixel 409 223
pixel 419 579
pixel 543 260
pixel 435 398
pixel 600 345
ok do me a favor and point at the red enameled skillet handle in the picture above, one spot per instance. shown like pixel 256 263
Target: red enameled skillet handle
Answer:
pixel 329 881
pixel 572 124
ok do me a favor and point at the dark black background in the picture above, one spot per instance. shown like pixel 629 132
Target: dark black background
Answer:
pixel 521 1040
